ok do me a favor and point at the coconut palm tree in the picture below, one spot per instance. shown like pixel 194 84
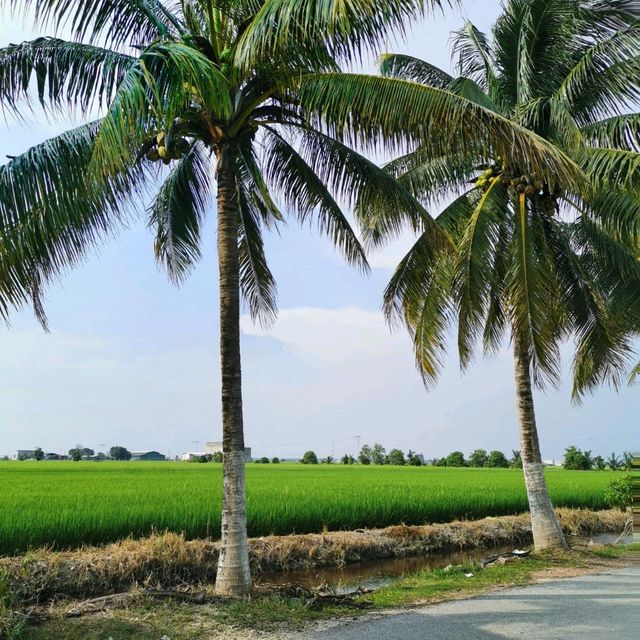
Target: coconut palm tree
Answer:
pixel 535 260
pixel 189 94
pixel 244 97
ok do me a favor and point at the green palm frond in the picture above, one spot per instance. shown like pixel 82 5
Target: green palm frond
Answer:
pixel 431 180
pixel 256 280
pixel 418 295
pixel 615 211
pixel 51 215
pixel 415 70
pixel 20 279
pixel 252 177
pixel 545 33
pixel 351 27
pixel 604 81
pixel 616 269
pixel 603 343
pixel 474 54
pixel 439 121
pixel 613 168
pixel 117 22
pixel 474 266
pixel 618 132
pixel 48 200
pixel 430 320
pixel 496 321
pixel 66 73
pixel 533 298
pixel 167 81
pixel 469 89
pixel 177 213
pixel 409 68
pixel 302 182
pixel 420 291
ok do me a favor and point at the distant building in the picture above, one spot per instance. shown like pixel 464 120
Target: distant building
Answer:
pixel 216 447
pixel 552 463
pixel 147 455
pixel 25 454
pixel 187 457
pixel 55 456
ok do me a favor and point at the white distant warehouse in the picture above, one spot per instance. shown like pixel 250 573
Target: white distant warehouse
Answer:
pixel 216 447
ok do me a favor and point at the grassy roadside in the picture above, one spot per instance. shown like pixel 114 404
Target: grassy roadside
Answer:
pixel 451 583
pixel 148 620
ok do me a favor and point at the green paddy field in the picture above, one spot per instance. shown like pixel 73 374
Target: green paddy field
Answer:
pixel 67 504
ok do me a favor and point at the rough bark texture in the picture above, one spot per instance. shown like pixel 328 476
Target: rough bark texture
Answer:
pixel 546 530
pixel 234 576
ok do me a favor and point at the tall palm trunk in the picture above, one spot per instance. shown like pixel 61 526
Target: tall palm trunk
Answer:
pixel 547 532
pixel 234 576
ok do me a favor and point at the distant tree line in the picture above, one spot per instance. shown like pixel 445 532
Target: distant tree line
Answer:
pixel 79 452
pixel 578 460
pixel 574 459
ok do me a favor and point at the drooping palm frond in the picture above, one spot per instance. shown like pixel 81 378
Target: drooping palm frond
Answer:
pixel 256 280
pixel 406 67
pixel 618 132
pixel 437 120
pixel 418 295
pixel 51 216
pixel 531 291
pixel 351 27
pixel 604 347
pixel 48 201
pixel 474 266
pixel 302 183
pixel 604 82
pixel 177 213
pixel 613 168
pixel 165 83
pixel 117 22
pixel 70 74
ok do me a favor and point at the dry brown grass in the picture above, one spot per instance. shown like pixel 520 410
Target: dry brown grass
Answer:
pixel 168 560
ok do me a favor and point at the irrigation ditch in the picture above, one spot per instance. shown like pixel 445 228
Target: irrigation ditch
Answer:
pixel 167 561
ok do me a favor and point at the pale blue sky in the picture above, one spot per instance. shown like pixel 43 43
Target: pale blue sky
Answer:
pixel 132 360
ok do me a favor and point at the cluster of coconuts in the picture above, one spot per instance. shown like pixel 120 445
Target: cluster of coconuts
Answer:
pixel 530 185
pixel 534 188
pixel 489 177
pixel 166 148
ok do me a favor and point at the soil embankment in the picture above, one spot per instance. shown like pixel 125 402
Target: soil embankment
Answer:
pixel 168 560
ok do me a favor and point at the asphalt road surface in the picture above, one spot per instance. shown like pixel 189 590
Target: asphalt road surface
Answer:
pixel 594 607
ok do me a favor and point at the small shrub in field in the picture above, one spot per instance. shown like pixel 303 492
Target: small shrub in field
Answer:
pixel 618 493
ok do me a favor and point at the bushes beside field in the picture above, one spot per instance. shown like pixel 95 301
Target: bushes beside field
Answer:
pixel 66 505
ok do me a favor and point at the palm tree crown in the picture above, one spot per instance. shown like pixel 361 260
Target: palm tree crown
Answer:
pixel 541 259
pixel 535 258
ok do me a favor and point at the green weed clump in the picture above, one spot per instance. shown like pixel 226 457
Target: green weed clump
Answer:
pixel 69 504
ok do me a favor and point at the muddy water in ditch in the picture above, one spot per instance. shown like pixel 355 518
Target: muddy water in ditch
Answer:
pixel 373 574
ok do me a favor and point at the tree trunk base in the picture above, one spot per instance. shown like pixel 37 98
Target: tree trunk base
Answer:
pixel 234 574
pixel 547 532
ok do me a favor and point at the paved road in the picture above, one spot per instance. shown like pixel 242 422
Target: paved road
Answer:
pixel 596 607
